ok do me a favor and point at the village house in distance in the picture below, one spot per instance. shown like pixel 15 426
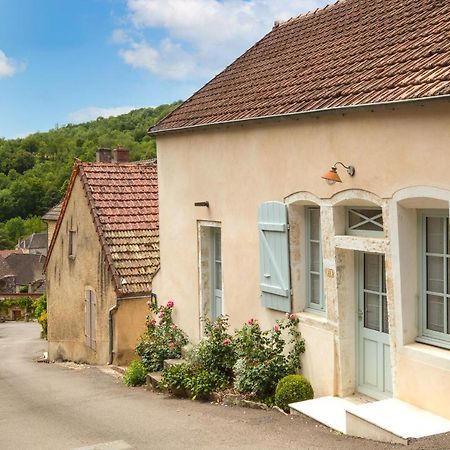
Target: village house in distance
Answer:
pixel 311 176
pixel 102 257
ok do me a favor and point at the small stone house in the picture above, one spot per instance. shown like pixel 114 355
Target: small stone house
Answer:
pixel 35 244
pixel 311 176
pixel 102 258
pixel 51 218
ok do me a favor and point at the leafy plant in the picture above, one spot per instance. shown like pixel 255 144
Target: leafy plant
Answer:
pixel 135 374
pixel 40 312
pixel 292 388
pixel 216 351
pixel 192 380
pixel 264 357
pixel 162 340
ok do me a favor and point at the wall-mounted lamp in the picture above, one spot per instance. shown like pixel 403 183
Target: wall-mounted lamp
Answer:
pixel 206 204
pixel 332 176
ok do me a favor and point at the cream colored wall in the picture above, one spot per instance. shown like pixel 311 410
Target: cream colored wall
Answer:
pixel 67 279
pixel 238 167
pixel 51 225
pixel 129 326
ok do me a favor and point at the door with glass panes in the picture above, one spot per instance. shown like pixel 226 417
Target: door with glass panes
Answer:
pixel 374 356
pixel 216 273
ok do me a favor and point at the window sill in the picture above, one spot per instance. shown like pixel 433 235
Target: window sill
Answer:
pixel 316 319
pixel 427 354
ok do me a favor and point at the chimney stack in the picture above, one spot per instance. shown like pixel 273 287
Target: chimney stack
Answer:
pixel 103 155
pixel 120 155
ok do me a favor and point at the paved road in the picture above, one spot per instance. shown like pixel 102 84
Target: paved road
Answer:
pixel 65 406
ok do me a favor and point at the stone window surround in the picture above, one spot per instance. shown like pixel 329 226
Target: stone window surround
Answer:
pixel 204 243
pixel 339 284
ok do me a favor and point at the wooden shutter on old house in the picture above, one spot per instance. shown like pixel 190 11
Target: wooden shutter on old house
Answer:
pixel 274 256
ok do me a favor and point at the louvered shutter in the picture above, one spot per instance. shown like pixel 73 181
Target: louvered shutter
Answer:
pixel 274 256
pixel 93 319
pixel 87 317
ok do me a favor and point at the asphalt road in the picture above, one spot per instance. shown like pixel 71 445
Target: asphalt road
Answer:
pixel 66 406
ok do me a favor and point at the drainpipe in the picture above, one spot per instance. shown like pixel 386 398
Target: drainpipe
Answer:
pixel 112 310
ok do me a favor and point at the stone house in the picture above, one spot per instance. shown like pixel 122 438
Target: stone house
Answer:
pixel 256 224
pixel 35 244
pixel 51 218
pixel 102 257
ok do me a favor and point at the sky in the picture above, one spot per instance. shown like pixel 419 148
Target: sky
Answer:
pixel 70 61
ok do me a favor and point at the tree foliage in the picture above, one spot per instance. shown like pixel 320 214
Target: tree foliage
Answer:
pixel 34 170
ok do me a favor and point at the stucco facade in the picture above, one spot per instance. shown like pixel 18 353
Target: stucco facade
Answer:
pixel 400 154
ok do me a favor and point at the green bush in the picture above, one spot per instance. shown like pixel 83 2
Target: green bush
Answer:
pixel 135 374
pixel 162 340
pixel 40 312
pixel 191 380
pixel 291 389
pixel 216 352
pixel 264 357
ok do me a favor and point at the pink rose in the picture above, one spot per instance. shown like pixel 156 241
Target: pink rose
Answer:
pixel 161 314
pixel 170 304
pixel 174 327
pixel 153 322
pixel 251 321
pixel 276 328
pixel 226 342
pixel 292 317
pixel 171 345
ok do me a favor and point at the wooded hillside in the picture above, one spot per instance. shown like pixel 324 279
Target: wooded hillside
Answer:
pixel 34 170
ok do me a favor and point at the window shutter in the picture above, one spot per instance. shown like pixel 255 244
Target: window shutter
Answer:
pixel 274 256
pixel 87 317
pixel 93 319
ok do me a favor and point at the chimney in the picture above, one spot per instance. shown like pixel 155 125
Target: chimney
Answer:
pixel 120 155
pixel 103 155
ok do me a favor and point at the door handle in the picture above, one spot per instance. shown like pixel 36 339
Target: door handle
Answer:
pixel 267 275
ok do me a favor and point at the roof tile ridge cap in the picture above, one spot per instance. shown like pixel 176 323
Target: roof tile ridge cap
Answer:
pixel 312 12
pixel 73 175
pixel 98 227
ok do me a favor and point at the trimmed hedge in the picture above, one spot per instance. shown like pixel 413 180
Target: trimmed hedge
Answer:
pixel 291 389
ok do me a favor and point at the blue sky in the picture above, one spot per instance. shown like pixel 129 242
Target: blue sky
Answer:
pixel 65 61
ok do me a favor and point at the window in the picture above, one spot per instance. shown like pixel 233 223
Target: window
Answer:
pixel 72 243
pixel 365 222
pixel 435 276
pixel 90 313
pixel 216 275
pixel 314 260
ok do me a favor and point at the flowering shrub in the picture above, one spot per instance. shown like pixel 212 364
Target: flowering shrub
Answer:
pixel 264 357
pixel 162 340
pixel 216 352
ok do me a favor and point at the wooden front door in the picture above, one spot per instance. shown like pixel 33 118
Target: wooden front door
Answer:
pixel 374 357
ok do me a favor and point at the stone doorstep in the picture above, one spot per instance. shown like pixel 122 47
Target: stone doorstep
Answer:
pixel 173 362
pixel 152 380
pixel 387 420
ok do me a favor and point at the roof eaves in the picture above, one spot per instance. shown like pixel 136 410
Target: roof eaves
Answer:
pixel 338 109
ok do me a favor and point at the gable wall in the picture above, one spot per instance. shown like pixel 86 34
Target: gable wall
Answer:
pixel 236 168
pixel 67 279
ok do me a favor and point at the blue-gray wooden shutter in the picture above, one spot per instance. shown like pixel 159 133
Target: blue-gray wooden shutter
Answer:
pixel 274 256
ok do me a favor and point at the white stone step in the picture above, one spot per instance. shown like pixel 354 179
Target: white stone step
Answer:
pixel 330 411
pixel 387 420
pixel 397 418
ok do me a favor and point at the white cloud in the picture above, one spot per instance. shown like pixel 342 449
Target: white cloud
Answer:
pixel 207 34
pixel 8 67
pixel 93 112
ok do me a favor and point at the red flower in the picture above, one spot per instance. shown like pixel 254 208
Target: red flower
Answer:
pixel 251 321
pixel 276 328
pixel 226 342
pixel 170 304
pixel 174 327
pixel 171 345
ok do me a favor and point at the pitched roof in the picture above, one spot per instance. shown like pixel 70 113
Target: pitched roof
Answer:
pixel 352 53
pixel 5 270
pixel 35 241
pixel 27 267
pixel 123 200
pixel 53 213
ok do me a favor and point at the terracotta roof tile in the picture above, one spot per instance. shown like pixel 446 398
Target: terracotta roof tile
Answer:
pixel 123 199
pixel 351 53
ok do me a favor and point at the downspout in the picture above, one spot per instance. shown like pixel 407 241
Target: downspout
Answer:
pixel 112 311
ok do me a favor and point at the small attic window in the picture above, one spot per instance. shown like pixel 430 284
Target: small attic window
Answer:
pixel 72 243
pixel 365 222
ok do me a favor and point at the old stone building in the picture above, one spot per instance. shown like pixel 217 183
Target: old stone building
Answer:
pixel 102 258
